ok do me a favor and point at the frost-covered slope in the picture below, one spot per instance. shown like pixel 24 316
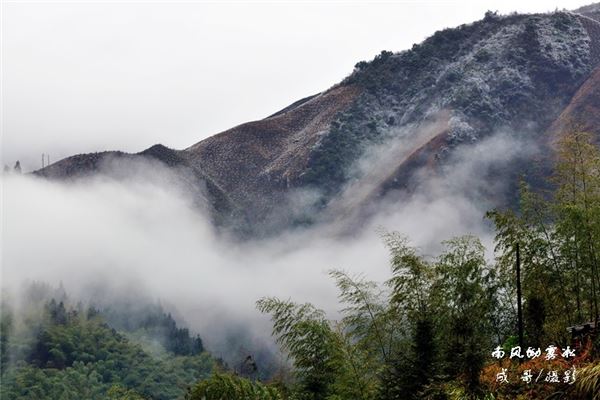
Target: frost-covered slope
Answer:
pixel 515 72
pixel 321 156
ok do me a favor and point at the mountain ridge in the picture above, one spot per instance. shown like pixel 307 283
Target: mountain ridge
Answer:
pixel 516 73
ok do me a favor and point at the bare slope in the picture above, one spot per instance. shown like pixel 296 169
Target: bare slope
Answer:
pixel 525 74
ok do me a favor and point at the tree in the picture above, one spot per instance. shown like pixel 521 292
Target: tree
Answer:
pixel 117 392
pixel 303 331
pixel 412 364
pixel 559 237
pixel 222 386
pixel 577 208
pixel 464 305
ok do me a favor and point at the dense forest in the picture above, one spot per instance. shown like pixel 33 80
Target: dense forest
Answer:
pixel 441 327
pixel 53 349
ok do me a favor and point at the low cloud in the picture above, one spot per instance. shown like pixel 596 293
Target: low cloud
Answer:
pixel 144 236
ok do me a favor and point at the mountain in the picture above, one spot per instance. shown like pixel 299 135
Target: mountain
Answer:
pixel 391 123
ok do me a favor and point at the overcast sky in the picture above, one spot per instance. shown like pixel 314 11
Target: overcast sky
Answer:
pixel 92 76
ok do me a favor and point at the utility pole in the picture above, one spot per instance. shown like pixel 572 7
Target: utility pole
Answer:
pixel 43 158
pixel 519 308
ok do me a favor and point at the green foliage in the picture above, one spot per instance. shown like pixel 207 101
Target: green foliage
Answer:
pixel 222 386
pixel 411 276
pixel 408 373
pixel 559 238
pixel 6 322
pixel 577 209
pixel 367 332
pixel 365 313
pixel 151 323
pixel 331 159
pixel 534 319
pixel 80 381
pixel 303 331
pixel 120 393
pixel 464 298
pixel 63 353
pixel 430 317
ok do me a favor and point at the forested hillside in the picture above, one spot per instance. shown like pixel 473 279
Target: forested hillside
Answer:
pixel 53 349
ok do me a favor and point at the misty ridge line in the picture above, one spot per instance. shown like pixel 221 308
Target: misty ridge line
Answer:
pixel 145 228
pixel 303 164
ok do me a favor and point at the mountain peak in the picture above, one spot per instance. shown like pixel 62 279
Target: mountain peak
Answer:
pixel 514 73
pixel 164 154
